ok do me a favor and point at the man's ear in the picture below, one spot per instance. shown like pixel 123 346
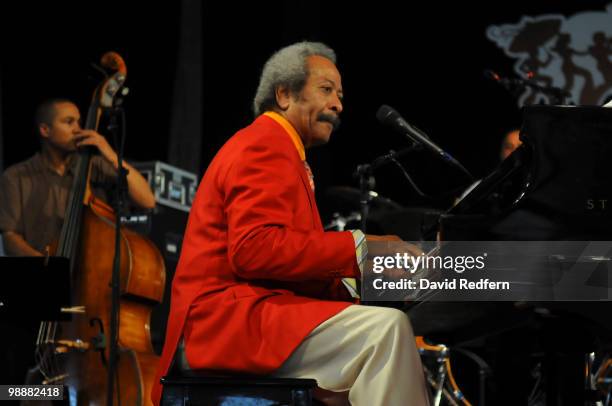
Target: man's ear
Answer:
pixel 283 97
pixel 43 130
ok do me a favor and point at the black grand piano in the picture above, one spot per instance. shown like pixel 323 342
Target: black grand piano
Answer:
pixel 556 186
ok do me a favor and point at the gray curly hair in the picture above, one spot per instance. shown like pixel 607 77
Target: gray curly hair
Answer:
pixel 287 67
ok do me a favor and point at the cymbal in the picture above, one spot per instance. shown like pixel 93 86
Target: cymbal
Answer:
pixel 351 197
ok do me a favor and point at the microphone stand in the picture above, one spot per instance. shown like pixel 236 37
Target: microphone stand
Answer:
pixel 367 182
pixel 558 95
pixel 120 204
pixel 516 86
pixel 366 185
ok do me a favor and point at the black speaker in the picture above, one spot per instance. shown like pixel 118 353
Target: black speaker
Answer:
pixel 164 226
pixel 174 190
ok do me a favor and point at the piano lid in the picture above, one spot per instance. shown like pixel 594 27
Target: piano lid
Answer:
pixel 558 185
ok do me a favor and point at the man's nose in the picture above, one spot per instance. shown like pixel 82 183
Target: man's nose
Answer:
pixel 336 104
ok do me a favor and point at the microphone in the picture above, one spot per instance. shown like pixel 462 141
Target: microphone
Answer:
pixel 489 74
pixel 508 83
pixel 388 116
pixel 514 84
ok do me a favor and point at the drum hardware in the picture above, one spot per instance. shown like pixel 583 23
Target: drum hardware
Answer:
pixel 439 376
pixel 55 379
pixel 600 379
pixel 339 222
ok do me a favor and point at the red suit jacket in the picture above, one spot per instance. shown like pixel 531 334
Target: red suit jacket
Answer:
pixel 257 273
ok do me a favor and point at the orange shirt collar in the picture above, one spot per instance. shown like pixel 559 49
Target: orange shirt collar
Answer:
pixel 295 137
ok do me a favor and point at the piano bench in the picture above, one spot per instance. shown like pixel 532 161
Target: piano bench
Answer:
pixel 205 390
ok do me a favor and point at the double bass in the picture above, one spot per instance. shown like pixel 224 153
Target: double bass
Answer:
pixel 76 353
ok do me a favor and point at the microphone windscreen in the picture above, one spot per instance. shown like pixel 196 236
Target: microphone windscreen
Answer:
pixel 489 74
pixel 386 114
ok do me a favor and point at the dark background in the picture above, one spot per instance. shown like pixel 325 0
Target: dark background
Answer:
pixel 426 59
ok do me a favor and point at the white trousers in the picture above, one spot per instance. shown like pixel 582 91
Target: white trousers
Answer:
pixel 366 350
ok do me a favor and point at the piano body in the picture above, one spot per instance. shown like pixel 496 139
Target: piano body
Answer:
pixel 556 187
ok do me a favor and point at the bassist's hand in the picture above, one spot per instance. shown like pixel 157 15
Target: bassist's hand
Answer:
pixel 92 138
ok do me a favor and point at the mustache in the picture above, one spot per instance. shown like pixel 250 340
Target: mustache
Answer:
pixel 329 118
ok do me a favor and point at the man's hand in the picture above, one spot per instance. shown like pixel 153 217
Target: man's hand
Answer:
pixel 16 246
pixel 391 237
pixel 138 189
pixel 394 245
pixel 92 138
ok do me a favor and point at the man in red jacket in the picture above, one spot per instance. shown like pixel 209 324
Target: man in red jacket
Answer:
pixel 259 287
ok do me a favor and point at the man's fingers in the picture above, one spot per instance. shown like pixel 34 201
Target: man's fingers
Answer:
pixel 371 237
pixel 85 141
pixel 410 249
